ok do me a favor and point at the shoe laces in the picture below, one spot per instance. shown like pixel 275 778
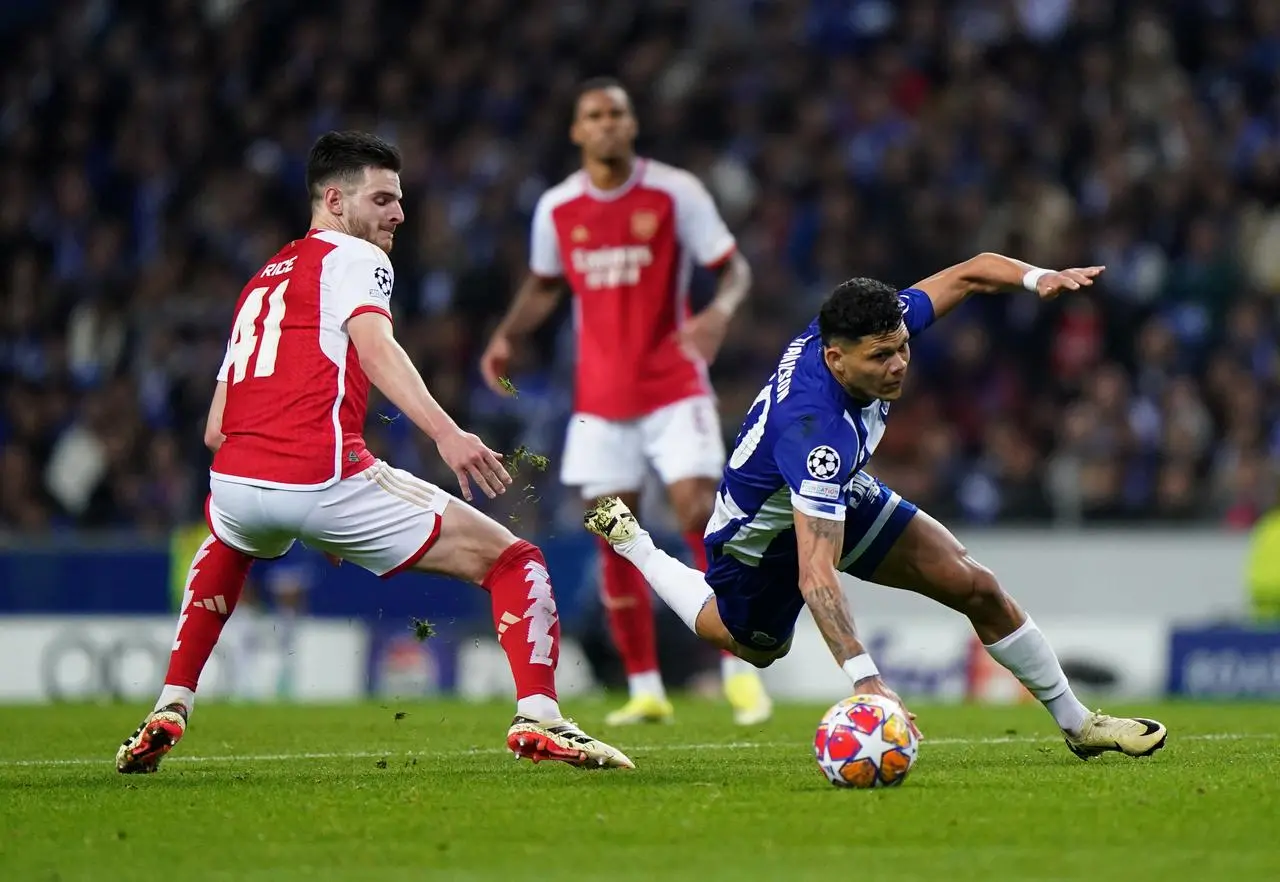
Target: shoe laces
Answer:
pixel 569 730
pixel 1110 722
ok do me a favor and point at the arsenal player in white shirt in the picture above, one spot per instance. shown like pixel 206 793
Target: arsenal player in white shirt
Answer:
pixel 623 233
pixel 312 331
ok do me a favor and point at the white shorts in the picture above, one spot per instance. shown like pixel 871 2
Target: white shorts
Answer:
pixel 383 519
pixel 681 440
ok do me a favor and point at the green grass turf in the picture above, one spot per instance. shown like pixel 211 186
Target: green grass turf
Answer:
pixel 351 793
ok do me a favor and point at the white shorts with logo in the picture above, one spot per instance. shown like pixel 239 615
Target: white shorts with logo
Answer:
pixel 681 440
pixel 383 519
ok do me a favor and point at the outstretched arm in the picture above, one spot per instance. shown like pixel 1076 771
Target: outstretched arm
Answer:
pixel 391 371
pixel 989 273
pixel 819 542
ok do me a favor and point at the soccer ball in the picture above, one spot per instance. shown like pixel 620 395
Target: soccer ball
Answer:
pixel 865 741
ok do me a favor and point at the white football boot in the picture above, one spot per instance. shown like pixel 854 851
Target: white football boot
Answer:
pixel 1102 733
pixel 142 751
pixel 562 741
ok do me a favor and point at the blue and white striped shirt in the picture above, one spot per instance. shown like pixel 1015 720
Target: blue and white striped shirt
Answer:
pixel 800 448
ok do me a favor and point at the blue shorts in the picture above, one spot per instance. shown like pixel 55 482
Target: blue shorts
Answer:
pixel 760 604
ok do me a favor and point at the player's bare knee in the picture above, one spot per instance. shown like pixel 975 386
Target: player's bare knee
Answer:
pixel 470 544
pixel 982 595
pixel 495 545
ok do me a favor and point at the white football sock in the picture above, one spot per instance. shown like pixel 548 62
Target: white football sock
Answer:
pixel 1028 655
pixel 542 708
pixel 681 587
pixel 646 683
pixel 180 694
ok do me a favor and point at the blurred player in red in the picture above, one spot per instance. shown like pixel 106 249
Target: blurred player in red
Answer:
pixel 624 233
pixel 312 331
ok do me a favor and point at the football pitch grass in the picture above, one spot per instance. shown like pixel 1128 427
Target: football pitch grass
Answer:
pixel 353 793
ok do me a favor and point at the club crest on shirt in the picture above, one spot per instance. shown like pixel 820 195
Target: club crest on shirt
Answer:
pixel 579 234
pixel 644 224
pixel 861 488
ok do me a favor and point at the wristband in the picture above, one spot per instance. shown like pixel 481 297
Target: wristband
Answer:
pixel 860 667
pixel 1032 276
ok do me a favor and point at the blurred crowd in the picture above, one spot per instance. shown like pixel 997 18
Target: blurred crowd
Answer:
pixel 152 156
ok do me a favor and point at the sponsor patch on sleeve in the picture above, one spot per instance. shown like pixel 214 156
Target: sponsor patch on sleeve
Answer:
pixel 820 489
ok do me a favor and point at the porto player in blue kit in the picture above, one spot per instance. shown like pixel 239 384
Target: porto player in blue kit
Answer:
pixel 795 507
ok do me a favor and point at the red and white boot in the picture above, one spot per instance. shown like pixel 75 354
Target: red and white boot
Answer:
pixel 142 751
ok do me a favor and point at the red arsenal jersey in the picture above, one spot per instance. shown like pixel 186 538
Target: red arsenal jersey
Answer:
pixel 628 255
pixel 296 394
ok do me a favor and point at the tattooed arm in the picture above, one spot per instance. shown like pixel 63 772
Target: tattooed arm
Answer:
pixel 820 542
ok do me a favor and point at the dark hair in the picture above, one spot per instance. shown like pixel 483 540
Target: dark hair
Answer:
pixel 346 155
pixel 596 84
pixel 859 308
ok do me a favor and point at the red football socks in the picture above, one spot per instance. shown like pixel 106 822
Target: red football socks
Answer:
pixel 524 615
pixel 214 583
pixel 698 549
pixel 629 611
